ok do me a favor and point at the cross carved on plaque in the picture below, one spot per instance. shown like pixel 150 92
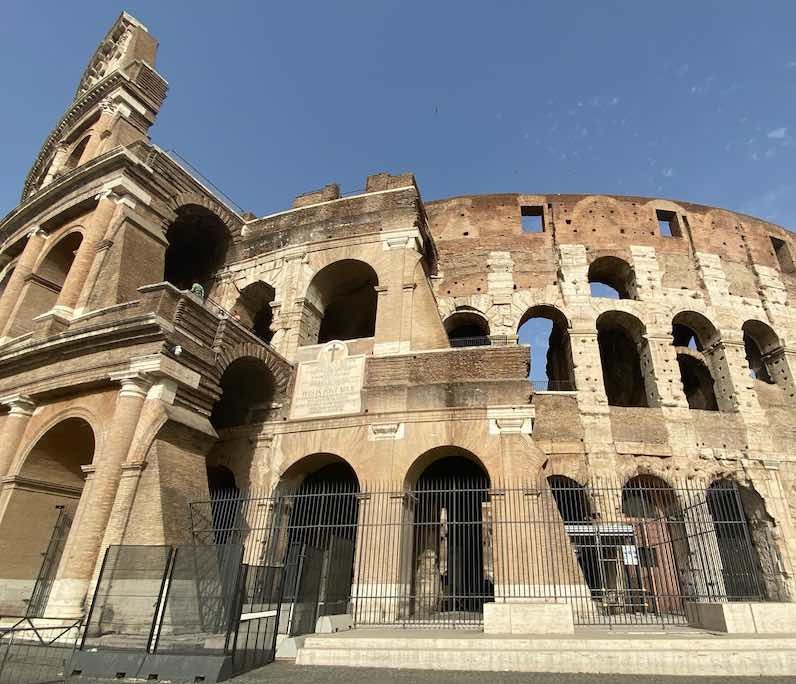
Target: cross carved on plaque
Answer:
pixel 334 348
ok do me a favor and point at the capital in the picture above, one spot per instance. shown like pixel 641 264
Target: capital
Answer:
pixel 133 384
pixel 37 231
pixel 19 404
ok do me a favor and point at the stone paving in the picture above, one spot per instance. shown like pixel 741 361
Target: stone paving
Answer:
pixel 286 672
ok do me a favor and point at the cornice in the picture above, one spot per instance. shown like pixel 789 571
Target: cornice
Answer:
pixel 77 110
pixel 17 220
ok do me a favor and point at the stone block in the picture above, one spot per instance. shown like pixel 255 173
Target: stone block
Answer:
pixel 528 618
pixel 327 624
pixel 774 618
pixel 743 618
pixel 733 618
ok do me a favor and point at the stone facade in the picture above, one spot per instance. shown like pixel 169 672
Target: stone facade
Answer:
pixel 121 389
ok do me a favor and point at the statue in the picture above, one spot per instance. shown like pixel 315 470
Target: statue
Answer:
pixel 198 290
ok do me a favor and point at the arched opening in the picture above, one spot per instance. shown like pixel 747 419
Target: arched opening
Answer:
pixel 697 383
pixel 624 355
pixel 321 506
pixel 247 394
pixel 198 242
pixel 751 564
pixel 467 328
pixel 341 303
pixel 591 546
pixel 73 160
pixel 571 499
pixel 612 277
pixel 655 530
pixel 42 289
pixel 764 353
pixel 703 363
pixel 35 523
pixel 546 330
pixel 452 573
pixel 224 502
pixel 253 309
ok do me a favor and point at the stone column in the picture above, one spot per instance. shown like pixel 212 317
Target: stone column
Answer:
pixel 21 409
pixel 101 131
pixel 395 292
pixel 95 231
pixel 592 400
pixel 662 378
pixel 61 155
pixel 96 501
pixel 24 267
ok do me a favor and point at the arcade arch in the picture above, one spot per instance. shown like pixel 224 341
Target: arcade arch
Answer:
pixel 467 327
pixel 751 567
pixel 198 243
pixel 764 353
pixel 451 558
pixel 42 290
pixel 625 360
pixel 702 360
pixel 546 323
pixel 253 309
pixel 342 302
pixel 612 277
pixel 50 480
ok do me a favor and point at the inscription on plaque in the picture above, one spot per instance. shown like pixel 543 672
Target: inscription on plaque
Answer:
pixel 330 385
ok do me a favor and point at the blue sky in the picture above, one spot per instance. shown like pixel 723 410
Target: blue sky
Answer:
pixel 690 100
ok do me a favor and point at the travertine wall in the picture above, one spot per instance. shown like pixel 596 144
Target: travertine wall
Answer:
pixel 142 362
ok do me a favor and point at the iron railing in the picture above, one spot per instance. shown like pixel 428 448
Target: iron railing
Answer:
pixel 35 651
pixel 553 385
pixel 433 555
pixel 481 341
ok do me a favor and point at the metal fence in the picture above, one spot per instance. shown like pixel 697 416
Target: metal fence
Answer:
pixel 433 555
pixel 35 651
pixel 185 600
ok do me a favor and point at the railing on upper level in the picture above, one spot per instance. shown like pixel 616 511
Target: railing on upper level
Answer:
pixel 553 385
pixel 482 341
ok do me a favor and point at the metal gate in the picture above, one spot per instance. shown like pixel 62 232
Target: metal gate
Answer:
pixel 50 558
pixel 432 556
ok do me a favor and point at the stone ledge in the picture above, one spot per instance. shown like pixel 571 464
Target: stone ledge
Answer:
pixel 743 618
pixel 528 618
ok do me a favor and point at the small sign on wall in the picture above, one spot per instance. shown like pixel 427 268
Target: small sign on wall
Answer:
pixel 330 385
pixel 630 554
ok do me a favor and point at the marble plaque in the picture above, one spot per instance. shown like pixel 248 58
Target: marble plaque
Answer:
pixel 330 385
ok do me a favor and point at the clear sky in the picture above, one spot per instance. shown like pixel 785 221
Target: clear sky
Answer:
pixel 689 100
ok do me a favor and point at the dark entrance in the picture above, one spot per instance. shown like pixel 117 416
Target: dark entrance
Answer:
pixel 450 579
pixel 321 536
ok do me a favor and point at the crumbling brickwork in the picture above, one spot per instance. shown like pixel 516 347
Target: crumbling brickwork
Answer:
pixel 101 330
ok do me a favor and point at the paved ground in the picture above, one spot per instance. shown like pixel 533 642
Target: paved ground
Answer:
pixel 288 673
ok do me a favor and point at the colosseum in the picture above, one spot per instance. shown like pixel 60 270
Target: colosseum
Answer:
pixel 344 383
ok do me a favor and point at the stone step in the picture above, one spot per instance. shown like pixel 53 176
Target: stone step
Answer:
pixel 622 654
pixel 630 642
